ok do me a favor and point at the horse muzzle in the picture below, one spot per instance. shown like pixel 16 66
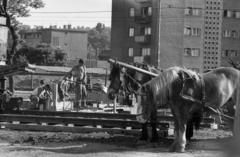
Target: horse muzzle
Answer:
pixel 140 119
pixel 111 94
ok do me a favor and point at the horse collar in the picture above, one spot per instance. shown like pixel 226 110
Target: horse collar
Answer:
pixel 190 98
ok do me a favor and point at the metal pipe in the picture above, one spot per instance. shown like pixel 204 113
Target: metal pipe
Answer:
pixel 132 67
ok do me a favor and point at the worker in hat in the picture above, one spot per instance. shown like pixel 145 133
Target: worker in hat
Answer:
pixel 79 72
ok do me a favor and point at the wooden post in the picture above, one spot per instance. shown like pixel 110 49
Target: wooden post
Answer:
pixel 31 81
pixel 114 106
pixel 55 97
pixel 236 130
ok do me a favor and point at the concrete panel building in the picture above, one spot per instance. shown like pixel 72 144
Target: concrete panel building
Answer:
pixel 196 34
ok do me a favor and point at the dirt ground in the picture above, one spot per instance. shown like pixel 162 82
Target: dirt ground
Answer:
pixel 205 143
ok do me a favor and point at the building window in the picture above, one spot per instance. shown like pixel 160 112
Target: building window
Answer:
pixel 227 13
pixel 235 34
pixel 195 52
pixel 192 11
pixel 188 11
pixel 187 52
pixel 191 52
pixel 233 53
pixel 146 31
pixel 195 11
pixel 56 41
pixel 238 14
pixel 146 11
pixel 225 53
pixel 131 32
pixel 187 31
pixel 130 52
pixel 131 13
pixel 227 33
pixel 196 31
pixel 192 31
pixel 145 51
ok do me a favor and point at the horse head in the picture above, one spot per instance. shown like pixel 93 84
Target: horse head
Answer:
pixel 138 77
pixel 117 79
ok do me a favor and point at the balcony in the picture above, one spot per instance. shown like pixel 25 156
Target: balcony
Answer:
pixel 144 39
pixel 143 1
pixel 143 19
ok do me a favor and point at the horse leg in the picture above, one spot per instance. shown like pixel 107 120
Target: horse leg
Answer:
pixel 176 130
pixel 189 129
pixel 144 137
pixel 183 117
pixel 154 139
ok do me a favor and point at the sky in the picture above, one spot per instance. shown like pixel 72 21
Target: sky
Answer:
pixel 85 13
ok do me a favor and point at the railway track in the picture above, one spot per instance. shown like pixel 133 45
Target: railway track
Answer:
pixel 81 122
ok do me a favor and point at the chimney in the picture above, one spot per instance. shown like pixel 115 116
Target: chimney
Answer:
pixel 51 27
pixel 69 26
pixel 55 26
pixel 64 26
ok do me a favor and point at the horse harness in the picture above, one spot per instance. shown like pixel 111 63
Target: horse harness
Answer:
pixel 190 98
pixel 203 94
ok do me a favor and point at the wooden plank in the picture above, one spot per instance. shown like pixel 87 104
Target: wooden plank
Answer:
pixel 77 121
pixel 83 114
pixel 73 129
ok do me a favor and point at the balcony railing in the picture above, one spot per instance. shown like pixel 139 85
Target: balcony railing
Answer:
pixel 143 19
pixel 143 1
pixel 144 39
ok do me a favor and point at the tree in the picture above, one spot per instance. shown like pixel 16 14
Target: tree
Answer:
pixel 20 8
pixel 16 8
pixel 99 38
pixel 41 54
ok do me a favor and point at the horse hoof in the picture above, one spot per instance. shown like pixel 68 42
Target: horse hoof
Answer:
pixel 180 150
pixel 188 142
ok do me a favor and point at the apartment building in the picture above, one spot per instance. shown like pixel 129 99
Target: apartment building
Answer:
pixel 196 34
pixel 73 41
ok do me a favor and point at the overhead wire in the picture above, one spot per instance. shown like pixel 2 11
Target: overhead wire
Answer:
pixel 164 18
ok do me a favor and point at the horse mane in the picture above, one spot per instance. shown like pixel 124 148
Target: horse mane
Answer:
pixel 161 86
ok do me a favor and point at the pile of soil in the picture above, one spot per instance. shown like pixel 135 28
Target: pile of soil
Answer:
pixel 27 143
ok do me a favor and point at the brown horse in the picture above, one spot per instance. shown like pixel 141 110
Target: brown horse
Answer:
pixel 129 80
pixel 185 91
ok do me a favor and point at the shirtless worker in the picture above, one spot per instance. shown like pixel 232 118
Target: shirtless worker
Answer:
pixel 79 71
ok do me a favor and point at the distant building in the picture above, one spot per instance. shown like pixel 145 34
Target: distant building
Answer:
pixel 104 55
pixel 196 34
pixel 73 41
